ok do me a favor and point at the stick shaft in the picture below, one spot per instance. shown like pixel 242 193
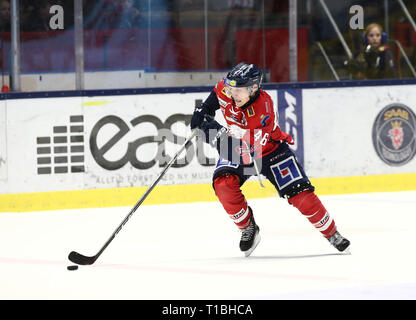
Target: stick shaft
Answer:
pixel 144 196
pixel 258 173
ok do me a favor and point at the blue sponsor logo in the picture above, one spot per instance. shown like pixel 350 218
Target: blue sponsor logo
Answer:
pixel 286 172
pixel 225 163
pixel 290 118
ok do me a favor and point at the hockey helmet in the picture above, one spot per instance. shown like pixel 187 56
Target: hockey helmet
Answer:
pixel 244 75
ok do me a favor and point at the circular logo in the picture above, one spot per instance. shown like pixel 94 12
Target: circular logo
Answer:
pixel 394 134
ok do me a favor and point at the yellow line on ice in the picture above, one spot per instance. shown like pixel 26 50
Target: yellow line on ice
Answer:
pixel 168 194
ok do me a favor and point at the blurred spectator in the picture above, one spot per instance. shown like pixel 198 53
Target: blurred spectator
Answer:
pixel 376 59
pixel 36 17
pixel 4 16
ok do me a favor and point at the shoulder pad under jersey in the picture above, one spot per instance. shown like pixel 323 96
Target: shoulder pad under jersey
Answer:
pixel 222 90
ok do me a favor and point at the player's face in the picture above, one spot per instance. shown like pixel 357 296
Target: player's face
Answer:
pixel 240 95
pixel 374 37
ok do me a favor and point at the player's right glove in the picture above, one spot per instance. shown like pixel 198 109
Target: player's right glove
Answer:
pixel 198 117
pixel 216 135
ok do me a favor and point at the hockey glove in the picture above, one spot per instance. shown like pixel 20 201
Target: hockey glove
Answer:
pixel 198 117
pixel 228 147
pixel 290 141
pixel 213 131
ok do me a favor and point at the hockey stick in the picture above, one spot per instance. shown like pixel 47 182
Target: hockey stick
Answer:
pixel 78 258
pixel 256 167
pixel 258 174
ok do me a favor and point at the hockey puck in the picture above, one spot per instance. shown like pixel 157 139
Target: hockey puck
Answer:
pixel 74 267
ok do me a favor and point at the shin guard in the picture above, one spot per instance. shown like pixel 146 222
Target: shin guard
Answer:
pixel 312 208
pixel 227 189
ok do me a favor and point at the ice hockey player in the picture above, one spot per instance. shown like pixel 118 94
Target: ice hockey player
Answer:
pixel 253 139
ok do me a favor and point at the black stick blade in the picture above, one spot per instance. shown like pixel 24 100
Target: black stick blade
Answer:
pixel 78 258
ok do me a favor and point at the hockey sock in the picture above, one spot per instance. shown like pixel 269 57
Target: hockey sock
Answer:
pixel 312 208
pixel 227 189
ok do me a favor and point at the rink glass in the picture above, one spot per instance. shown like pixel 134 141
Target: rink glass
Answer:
pixel 195 42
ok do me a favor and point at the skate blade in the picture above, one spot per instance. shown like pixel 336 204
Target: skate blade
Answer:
pixel 347 251
pixel 255 243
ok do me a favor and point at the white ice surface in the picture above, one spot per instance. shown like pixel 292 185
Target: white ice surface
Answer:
pixel 190 251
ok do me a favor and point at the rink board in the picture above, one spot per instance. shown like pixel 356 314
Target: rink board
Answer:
pixel 3 142
pixel 104 150
pixel 168 194
pixel 360 131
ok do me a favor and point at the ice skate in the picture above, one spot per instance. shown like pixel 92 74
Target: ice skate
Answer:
pixel 339 242
pixel 250 237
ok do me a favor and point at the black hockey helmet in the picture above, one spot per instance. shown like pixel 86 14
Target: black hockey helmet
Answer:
pixel 244 75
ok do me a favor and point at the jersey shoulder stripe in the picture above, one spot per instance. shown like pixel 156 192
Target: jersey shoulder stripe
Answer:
pixel 222 91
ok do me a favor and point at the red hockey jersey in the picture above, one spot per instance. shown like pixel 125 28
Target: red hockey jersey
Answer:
pixel 256 124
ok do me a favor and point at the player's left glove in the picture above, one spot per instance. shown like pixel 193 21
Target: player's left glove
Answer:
pixel 217 136
pixel 283 137
pixel 213 131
